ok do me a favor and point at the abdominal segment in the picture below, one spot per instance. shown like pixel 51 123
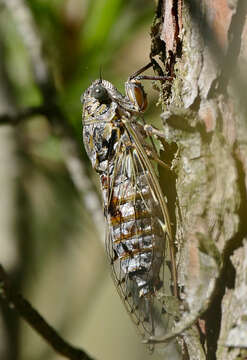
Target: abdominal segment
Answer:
pixel 135 232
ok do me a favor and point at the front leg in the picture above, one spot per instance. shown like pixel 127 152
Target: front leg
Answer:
pixel 149 131
pixel 154 156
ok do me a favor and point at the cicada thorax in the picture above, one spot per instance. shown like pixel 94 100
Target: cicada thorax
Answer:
pixel 135 242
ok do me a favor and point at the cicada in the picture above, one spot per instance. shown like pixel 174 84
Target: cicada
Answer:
pixel 139 241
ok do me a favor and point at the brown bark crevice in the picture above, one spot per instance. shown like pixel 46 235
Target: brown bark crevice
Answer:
pixel 204 114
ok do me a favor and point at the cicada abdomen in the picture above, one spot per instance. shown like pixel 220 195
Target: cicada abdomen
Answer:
pixel 138 240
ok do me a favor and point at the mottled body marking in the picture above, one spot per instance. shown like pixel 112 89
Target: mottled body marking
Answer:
pixel 138 229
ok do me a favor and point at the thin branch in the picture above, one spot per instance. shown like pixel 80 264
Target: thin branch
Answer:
pixel 73 161
pixel 72 156
pixel 29 33
pixel 83 184
pixel 17 118
pixel 44 80
pixel 62 128
pixel 36 321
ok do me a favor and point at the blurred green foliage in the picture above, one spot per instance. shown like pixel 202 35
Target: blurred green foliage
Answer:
pixel 64 271
pixel 81 36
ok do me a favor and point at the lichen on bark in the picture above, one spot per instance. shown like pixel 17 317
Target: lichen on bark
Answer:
pixel 205 117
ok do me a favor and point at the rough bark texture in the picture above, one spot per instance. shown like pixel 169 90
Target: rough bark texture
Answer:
pixel 204 114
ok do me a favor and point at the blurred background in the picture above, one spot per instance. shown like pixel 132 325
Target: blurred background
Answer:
pixel 51 221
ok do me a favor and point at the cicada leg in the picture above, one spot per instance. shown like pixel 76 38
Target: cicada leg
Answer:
pixel 137 96
pixel 136 76
pixel 134 89
pixel 154 156
pixel 151 150
pixel 152 131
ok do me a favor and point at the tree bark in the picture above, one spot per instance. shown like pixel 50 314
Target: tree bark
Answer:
pixel 202 44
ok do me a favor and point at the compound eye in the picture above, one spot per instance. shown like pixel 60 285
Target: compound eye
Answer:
pixel 101 94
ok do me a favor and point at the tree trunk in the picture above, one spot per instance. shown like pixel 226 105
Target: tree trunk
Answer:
pixel 204 115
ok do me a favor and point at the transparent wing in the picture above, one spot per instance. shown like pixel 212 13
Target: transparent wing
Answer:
pixel 138 241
